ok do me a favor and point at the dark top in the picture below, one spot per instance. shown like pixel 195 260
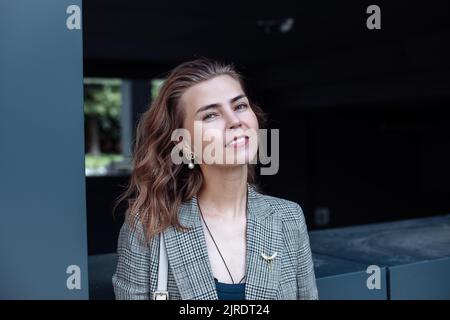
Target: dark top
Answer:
pixel 226 291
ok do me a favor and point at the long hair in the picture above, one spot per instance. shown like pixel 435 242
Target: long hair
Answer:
pixel 157 187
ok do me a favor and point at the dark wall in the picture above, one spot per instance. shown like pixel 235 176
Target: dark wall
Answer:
pixel 362 114
pixel 366 164
pixel 104 224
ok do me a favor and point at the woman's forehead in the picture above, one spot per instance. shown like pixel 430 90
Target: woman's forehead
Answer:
pixel 219 90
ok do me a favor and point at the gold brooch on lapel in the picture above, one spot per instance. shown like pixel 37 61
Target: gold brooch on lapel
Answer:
pixel 269 259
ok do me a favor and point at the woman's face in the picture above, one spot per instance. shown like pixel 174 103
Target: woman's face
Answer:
pixel 219 109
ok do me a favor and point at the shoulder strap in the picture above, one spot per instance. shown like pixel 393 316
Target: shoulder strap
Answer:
pixel 161 292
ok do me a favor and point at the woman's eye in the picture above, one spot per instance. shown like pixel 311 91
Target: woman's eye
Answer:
pixel 209 116
pixel 241 106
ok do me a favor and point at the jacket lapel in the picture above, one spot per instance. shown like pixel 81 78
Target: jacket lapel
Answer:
pixel 188 256
pixel 264 236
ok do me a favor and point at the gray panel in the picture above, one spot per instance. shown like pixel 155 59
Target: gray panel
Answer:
pixel 416 253
pixel 42 196
pixel 350 286
pixel 340 279
pixel 423 280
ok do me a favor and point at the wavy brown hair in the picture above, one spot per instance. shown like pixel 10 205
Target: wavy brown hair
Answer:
pixel 157 186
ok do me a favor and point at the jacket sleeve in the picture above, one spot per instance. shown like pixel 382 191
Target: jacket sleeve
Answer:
pixel 132 276
pixel 306 280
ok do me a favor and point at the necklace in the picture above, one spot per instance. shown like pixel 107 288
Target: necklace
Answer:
pixel 217 247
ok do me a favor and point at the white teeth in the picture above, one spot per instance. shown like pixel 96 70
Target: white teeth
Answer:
pixel 237 141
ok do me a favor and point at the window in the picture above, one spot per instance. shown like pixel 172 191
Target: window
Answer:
pixel 102 113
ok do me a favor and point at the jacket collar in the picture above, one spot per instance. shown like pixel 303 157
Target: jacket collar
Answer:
pixel 258 208
pixel 189 260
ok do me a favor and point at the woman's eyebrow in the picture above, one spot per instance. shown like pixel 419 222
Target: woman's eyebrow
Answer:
pixel 216 105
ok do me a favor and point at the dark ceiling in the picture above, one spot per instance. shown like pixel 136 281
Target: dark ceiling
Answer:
pixel 152 33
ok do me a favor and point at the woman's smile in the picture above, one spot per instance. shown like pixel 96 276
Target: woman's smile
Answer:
pixel 238 142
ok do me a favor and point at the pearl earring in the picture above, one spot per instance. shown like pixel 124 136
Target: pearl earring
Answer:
pixel 191 163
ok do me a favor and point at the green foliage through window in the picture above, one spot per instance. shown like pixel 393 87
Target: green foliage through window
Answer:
pixel 102 108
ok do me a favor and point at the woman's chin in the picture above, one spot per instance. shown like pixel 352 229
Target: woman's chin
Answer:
pixel 240 161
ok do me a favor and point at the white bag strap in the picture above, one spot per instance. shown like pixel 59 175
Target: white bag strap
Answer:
pixel 161 292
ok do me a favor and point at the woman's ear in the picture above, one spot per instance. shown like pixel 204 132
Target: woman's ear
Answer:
pixel 182 144
pixel 184 148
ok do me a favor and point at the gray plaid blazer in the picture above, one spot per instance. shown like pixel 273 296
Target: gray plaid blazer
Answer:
pixel 273 225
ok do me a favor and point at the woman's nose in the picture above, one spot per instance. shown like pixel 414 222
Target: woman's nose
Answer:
pixel 236 124
pixel 233 121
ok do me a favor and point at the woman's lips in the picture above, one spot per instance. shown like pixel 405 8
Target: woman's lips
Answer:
pixel 238 142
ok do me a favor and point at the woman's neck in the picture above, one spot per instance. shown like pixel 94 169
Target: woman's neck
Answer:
pixel 224 192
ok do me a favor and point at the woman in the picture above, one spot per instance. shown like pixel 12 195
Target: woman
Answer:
pixel 224 239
